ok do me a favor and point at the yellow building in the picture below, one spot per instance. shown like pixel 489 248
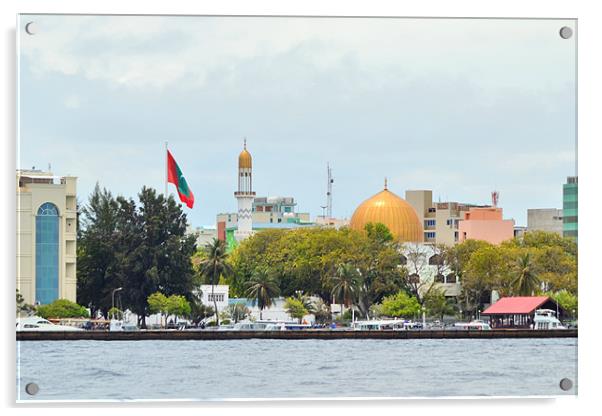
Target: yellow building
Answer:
pixel 389 209
pixel 46 236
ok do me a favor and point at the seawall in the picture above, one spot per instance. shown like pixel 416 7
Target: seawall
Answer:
pixel 174 335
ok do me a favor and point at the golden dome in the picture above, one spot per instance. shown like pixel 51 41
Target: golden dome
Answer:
pixel 394 212
pixel 244 159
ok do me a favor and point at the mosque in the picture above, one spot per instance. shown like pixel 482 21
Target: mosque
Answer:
pixel 389 209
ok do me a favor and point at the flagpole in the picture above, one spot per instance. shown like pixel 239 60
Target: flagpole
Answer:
pixel 166 169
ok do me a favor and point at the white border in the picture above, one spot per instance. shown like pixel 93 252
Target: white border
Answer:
pixel 590 107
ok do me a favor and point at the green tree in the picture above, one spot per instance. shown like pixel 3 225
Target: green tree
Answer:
pixel 178 306
pixel 525 280
pixel 115 313
pixel 378 232
pixel 346 285
pixel 400 305
pixel 155 251
pixel 62 308
pixel 97 252
pixel 199 312
pixel 567 301
pixel 262 289
pixel 238 311
pixel 487 269
pixel 22 306
pixel 295 308
pixel 158 303
pixel 215 265
pixel 321 311
pixel 437 305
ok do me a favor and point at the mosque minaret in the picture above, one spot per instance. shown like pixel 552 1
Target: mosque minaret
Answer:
pixel 244 195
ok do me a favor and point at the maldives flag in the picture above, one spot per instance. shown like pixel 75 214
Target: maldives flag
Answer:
pixel 174 175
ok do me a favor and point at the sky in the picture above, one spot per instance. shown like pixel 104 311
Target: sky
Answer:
pixel 459 106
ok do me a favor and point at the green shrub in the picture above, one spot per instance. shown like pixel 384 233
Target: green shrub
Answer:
pixel 62 308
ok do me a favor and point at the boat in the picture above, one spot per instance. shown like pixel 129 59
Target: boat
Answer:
pixel 546 319
pixel 36 323
pixel 384 325
pixel 477 325
pixel 258 326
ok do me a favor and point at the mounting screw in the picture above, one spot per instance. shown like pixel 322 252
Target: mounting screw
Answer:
pixel 566 32
pixel 32 389
pixel 566 384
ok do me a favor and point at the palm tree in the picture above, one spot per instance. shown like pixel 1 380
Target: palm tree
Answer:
pixel 346 285
pixel 526 281
pixel 214 266
pixel 262 289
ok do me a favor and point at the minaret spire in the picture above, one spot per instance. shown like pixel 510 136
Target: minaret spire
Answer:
pixel 245 143
pixel 385 183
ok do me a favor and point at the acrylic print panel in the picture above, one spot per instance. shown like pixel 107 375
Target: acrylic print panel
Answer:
pixel 269 207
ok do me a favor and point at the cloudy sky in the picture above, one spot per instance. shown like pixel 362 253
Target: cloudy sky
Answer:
pixel 461 107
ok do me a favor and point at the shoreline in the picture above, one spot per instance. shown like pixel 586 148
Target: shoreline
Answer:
pixel 174 335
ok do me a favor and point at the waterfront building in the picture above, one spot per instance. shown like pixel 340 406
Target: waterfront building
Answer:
pixel 217 292
pixel 46 236
pixel 277 312
pixel 570 207
pixel 264 210
pixel 519 311
pixel 487 224
pixel 440 220
pixel 519 231
pixel 204 235
pixel 325 221
pixel 545 219
pixel 389 209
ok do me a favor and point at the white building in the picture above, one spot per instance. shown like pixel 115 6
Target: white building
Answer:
pixel 217 292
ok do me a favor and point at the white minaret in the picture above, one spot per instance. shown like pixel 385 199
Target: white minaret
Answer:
pixel 244 195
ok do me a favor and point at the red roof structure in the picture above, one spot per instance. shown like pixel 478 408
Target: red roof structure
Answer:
pixel 517 305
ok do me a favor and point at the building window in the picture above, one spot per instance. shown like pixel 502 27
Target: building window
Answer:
pixel 47 254
pixel 430 223
pixel 436 260
pixel 439 278
pixel 429 235
pixel 215 297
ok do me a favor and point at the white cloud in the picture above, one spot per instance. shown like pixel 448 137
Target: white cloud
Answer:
pixel 159 52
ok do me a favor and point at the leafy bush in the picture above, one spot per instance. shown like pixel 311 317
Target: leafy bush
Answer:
pixel 62 308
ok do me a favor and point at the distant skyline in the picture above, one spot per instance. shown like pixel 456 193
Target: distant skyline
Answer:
pixel 461 107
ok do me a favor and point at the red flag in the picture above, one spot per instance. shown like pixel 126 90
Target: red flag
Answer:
pixel 175 176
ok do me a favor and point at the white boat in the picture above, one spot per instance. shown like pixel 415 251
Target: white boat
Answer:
pixel 383 325
pixel 260 326
pixel 35 323
pixel 546 319
pixel 473 325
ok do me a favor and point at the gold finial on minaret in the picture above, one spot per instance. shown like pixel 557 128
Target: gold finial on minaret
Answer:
pixel 385 183
pixel 245 143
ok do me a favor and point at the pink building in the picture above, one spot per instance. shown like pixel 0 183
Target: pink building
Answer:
pixel 485 224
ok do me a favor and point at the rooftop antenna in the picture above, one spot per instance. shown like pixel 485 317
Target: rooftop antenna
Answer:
pixel 329 191
pixel 323 210
pixel 495 197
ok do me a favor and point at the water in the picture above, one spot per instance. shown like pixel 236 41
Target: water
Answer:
pixel 126 370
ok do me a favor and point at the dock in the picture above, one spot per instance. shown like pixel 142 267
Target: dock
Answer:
pixel 210 335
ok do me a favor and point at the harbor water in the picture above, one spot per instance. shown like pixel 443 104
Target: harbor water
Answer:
pixel 253 368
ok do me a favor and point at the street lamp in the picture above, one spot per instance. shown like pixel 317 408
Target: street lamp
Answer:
pixel 113 297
